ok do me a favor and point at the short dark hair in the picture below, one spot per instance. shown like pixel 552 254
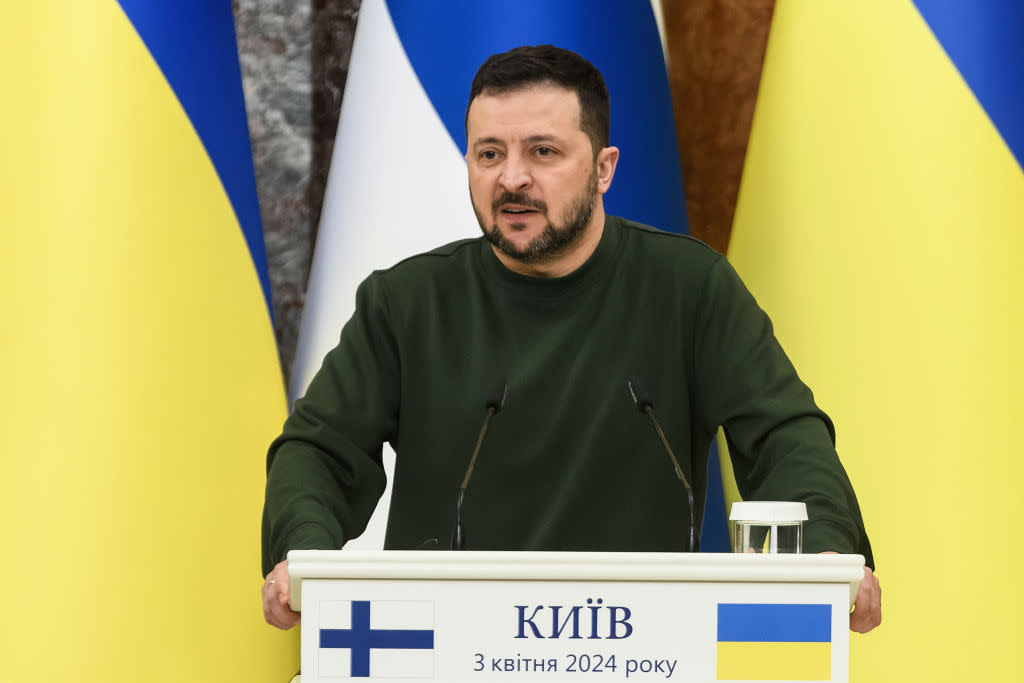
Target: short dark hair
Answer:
pixel 529 65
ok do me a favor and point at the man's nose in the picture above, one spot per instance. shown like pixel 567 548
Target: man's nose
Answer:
pixel 515 174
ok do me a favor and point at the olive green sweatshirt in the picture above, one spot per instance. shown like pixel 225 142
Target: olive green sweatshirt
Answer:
pixel 569 463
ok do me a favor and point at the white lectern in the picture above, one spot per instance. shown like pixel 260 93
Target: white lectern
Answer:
pixel 586 617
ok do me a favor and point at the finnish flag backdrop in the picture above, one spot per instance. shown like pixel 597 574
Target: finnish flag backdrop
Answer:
pixel 398 184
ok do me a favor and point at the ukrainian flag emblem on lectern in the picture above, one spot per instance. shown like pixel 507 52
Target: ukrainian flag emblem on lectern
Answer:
pixel 774 642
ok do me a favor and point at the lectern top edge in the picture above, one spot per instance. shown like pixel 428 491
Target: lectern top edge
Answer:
pixel 571 566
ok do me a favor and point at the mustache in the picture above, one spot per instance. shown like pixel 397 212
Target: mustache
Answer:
pixel 520 199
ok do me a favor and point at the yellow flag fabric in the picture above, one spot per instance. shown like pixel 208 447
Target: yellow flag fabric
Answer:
pixel 881 225
pixel 141 384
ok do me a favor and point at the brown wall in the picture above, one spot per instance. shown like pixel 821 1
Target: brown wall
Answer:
pixel 716 48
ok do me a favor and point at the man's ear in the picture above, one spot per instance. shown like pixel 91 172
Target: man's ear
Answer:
pixel 607 159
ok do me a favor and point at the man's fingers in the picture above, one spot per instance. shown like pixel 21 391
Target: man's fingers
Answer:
pixel 276 610
pixel 279 585
pixel 276 595
pixel 867 607
pixel 863 620
pixel 283 620
pixel 282 589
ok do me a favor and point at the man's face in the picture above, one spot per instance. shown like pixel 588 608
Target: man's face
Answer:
pixel 532 175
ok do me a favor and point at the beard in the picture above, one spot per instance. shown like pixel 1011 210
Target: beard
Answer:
pixel 554 239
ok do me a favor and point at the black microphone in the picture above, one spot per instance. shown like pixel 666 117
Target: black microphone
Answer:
pixel 646 406
pixel 495 402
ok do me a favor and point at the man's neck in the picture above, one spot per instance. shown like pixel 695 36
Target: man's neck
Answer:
pixel 566 262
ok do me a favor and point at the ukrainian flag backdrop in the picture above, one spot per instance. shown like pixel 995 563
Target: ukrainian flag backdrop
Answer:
pixel 141 381
pixel 881 225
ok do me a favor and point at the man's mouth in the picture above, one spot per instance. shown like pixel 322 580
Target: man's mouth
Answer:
pixel 517 210
pixel 515 206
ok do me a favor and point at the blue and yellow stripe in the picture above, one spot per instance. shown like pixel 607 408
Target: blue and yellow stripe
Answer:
pixel 141 379
pixel 193 44
pixel 881 225
pixel 774 642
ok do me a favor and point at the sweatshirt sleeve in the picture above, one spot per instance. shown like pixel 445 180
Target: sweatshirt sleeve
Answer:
pixel 325 472
pixel 781 444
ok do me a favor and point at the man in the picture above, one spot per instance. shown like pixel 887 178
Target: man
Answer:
pixel 564 303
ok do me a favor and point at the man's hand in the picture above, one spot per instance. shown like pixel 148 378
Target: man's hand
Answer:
pixel 867 606
pixel 275 599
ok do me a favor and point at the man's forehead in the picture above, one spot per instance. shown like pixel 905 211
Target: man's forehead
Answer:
pixel 543 104
pixel 537 92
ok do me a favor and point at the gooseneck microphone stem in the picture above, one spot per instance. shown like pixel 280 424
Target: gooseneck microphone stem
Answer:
pixel 679 473
pixel 476 451
pixel 646 406
pixel 495 402
pixel 459 536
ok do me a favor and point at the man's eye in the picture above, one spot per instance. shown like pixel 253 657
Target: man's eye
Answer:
pixel 545 151
pixel 489 155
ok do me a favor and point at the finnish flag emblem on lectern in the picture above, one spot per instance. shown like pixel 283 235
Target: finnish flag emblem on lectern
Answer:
pixel 376 639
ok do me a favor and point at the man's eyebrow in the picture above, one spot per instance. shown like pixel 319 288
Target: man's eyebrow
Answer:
pixel 488 141
pixel 532 140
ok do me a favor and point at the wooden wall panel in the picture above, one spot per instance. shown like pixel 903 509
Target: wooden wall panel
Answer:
pixel 716 48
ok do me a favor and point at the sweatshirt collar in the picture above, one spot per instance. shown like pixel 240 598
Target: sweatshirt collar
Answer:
pixel 603 255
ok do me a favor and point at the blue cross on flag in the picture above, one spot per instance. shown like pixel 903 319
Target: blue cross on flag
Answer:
pixel 376 638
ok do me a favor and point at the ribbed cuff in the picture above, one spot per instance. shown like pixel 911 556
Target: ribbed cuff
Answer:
pixel 306 536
